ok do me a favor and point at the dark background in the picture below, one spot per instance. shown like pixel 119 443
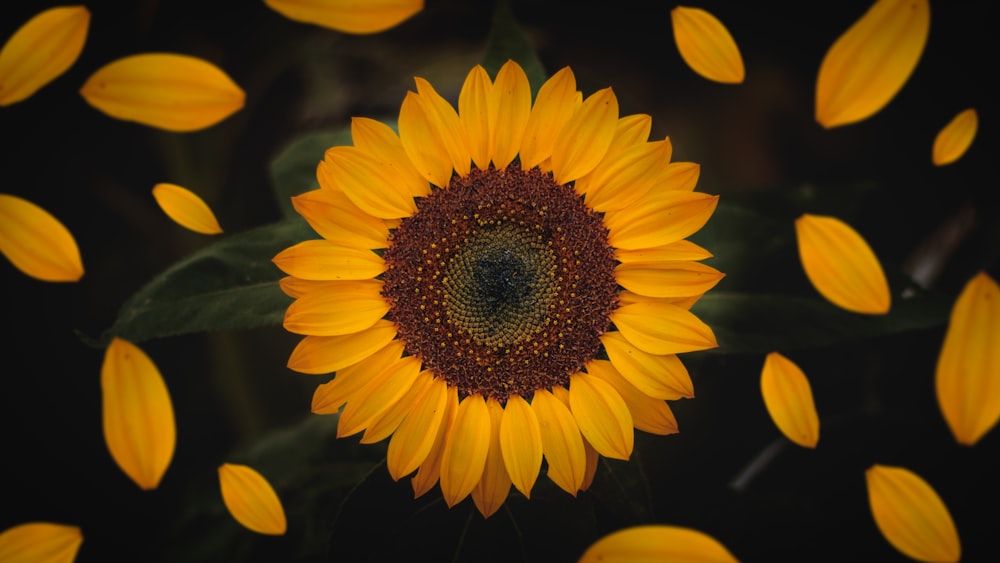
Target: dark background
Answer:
pixel 757 141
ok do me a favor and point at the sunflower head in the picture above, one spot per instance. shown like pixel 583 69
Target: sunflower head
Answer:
pixel 500 288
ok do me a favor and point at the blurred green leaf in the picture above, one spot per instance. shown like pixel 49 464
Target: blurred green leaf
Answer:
pixel 294 170
pixel 231 284
pixel 508 41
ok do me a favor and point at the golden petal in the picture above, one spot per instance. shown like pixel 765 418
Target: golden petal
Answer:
pixel 682 176
pixel 422 143
pixel 464 455
pixel 352 307
pixel 602 415
pixel 492 490
pixel 677 250
pixel 911 515
pixel 667 279
pixel 663 217
pixel 430 469
pixel 511 100
pixel 186 208
pixel 138 416
pixel 378 395
pixel 41 50
pixel 375 188
pixel 474 113
pixel 562 443
pixel 335 217
pixel 968 391
pixel 251 500
pixel 413 440
pixel 554 105
pixel 444 122
pixel 164 90
pixel 648 414
pixel 955 138
pixel 657 543
pixel 330 396
pixel 789 400
pixel 841 265
pixel 380 141
pixel 585 138
pixel 706 45
pixel 521 444
pixel 659 327
pixel 36 243
pixel 871 61
pixel 659 376
pixel 328 260
pixel 349 16
pixel 592 457
pixel 327 354
pixel 385 424
pixel 40 542
pixel 625 176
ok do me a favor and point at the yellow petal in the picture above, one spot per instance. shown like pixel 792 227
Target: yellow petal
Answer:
pixel 511 98
pixel 789 400
pixel 385 424
pixel 602 415
pixel 41 50
pixel 659 327
pixel 335 217
pixel 521 444
pixel 659 376
pixel 968 389
pixel 706 45
pixel 474 113
pixel 631 173
pixel 251 500
pixel 841 265
pixel 682 176
pixel 381 142
pixel 349 16
pixel 138 416
pixel 661 218
pixel 430 468
pixel 186 208
pixel 493 488
pixel 40 542
pixel 592 458
pixel 554 105
pixel 870 62
pixel 422 144
pixel 464 456
pixel 379 394
pixel 648 414
pixel 657 543
pixel 955 138
pixel 677 250
pixel 164 90
pixel 36 243
pixel 562 443
pixel 330 396
pixel 911 515
pixel 375 188
pixel 412 441
pixel 327 354
pixel 328 260
pixel 353 307
pixel 667 279
pixel 446 125
pixel 585 138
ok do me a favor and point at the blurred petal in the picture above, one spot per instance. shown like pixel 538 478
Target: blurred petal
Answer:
pixel 36 243
pixel 658 327
pixel 349 16
pixel 521 444
pixel 870 62
pixel 327 354
pixel 492 490
pixel 585 138
pixel 706 45
pixel 911 515
pixel 657 543
pixel 186 209
pixel 328 260
pixel 968 389
pixel 251 499
pixel 164 90
pixel 40 542
pixel 789 400
pixel 955 138
pixel 562 443
pixel 465 450
pixel 138 416
pixel 41 50
pixel 841 265
pixel 602 415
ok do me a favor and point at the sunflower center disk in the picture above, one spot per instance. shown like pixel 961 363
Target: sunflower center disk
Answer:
pixel 502 283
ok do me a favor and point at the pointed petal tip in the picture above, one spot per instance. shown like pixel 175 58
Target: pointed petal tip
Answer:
pixel 706 45
pixel 251 500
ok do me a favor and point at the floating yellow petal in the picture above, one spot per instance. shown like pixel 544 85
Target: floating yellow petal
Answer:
pixel 251 500
pixel 186 208
pixel 911 515
pixel 40 542
pixel 955 138
pixel 841 265
pixel 36 243
pixel 138 416
pixel 789 400
pixel 968 369
pixel 706 45
pixel 870 62
pixel 164 90
pixel 657 543
pixel 349 16
pixel 41 50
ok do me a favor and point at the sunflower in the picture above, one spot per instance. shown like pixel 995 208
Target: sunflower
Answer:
pixel 502 288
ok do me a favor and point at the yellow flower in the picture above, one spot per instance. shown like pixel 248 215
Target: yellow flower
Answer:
pixel 467 295
pixel 41 50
